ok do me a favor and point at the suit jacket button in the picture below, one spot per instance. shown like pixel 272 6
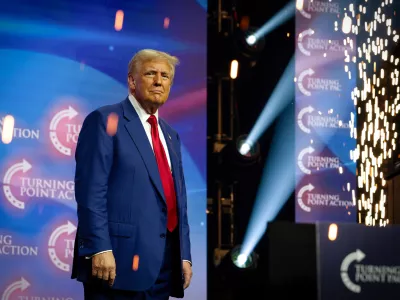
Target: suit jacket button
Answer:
pixel 162 235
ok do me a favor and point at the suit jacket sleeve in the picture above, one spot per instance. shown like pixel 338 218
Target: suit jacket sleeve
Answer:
pixel 93 156
pixel 186 255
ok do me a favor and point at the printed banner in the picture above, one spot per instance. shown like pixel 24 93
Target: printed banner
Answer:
pixel 358 262
pixel 325 176
pixel 58 63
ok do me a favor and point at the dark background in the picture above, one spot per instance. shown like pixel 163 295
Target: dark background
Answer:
pixel 252 89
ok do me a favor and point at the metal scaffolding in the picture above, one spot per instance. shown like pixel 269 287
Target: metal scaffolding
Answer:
pixel 221 202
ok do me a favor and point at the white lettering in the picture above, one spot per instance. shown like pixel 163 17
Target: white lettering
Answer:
pixel 22 132
pixel 377 274
pixel 325 122
pixel 72 138
pixel 318 121
pixel 327 200
pixel 48 188
pixel 5 239
pixel 323 84
pixel 326 45
pixel 323 162
pixel 69 249
pixel 69 253
pixel 74 128
pixel 73 131
pixel 18 250
pixel 323 7
pixel 341 203
pixel 7 247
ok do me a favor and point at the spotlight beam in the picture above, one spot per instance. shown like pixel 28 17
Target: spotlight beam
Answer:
pixel 280 98
pixel 277 184
pixel 281 17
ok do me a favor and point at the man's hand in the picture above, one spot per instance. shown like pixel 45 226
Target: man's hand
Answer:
pixel 187 274
pixel 103 267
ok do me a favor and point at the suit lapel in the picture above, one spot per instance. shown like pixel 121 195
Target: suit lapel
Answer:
pixel 139 137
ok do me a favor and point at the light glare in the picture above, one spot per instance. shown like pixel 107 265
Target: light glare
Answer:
pixel 8 129
pixel 251 40
pixel 234 69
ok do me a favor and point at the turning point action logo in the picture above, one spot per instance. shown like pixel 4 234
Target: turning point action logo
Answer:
pixel 367 274
pixel 23 167
pixel 64 130
pixel 316 199
pixel 18 186
pixel 61 246
pixel 307 44
pixel 315 120
pixel 17 290
pixel 19 285
pixel 306 188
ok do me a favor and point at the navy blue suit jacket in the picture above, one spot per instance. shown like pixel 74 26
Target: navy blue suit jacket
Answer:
pixel 121 203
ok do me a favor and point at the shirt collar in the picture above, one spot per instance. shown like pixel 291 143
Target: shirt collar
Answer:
pixel 143 115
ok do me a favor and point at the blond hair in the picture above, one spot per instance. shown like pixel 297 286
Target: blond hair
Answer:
pixel 146 55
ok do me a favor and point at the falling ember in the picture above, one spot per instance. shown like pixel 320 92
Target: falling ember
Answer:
pixel 166 23
pixel 244 23
pixel 378 131
pixel 135 263
pixel 112 124
pixel 119 20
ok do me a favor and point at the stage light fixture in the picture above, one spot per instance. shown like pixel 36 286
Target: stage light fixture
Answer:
pixel 251 39
pixel 246 148
pixel 248 44
pixel 232 164
pixel 243 280
pixel 243 261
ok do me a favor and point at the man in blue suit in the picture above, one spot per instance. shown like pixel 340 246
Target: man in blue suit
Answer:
pixel 132 240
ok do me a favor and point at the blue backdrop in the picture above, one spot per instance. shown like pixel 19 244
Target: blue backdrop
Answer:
pixel 326 174
pixel 59 61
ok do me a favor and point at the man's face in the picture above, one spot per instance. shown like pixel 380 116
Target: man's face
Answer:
pixel 152 83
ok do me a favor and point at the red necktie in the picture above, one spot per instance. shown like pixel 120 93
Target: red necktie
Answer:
pixel 165 174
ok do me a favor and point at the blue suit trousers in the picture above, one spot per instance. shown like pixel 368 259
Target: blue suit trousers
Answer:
pixel 99 290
